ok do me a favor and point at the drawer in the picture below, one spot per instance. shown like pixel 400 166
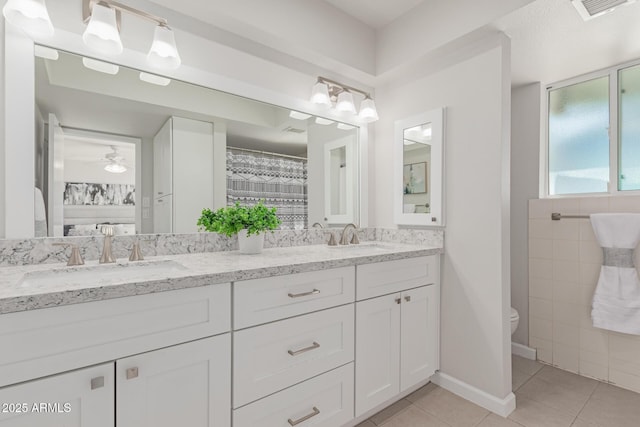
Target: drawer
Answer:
pixel 323 401
pixel 272 357
pixel 265 300
pixel 395 276
pixel 43 342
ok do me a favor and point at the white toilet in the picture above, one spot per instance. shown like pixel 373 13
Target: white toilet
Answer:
pixel 515 318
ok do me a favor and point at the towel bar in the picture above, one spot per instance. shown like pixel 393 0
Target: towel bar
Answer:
pixel 557 216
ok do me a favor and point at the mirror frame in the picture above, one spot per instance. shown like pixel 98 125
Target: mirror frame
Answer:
pixel 436 215
pixel 17 218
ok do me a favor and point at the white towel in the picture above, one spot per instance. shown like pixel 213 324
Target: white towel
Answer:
pixel 616 302
pixel 40 214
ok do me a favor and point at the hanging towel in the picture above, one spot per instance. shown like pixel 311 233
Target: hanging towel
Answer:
pixel 40 214
pixel 616 302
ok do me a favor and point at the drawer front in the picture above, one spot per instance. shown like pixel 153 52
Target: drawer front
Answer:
pixel 43 342
pixel 323 401
pixel 395 276
pixel 265 300
pixel 272 357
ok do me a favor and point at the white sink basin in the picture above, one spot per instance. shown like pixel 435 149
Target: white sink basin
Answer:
pixel 98 273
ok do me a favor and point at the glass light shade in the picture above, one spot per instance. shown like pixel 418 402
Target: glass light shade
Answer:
pixel 345 103
pixel 163 52
pixel 102 32
pixel 30 15
pixel 368 111
pixel 115 168
pixel 320 95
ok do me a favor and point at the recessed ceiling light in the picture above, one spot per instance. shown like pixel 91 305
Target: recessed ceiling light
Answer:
pixel 298 115
pixel 321 121
pixel 45 52
pixel 154 79
pixel 103 67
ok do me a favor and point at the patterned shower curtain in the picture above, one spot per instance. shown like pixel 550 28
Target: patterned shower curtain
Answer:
pixel 280 181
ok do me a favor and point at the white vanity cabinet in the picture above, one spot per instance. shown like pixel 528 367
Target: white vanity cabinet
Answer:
pixel 165 358
pixel 75 399
pixel 397 339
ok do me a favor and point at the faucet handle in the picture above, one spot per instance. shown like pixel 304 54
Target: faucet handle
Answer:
pixel 136 253
pixel 332 239
pixel 355 240
pixel 75 258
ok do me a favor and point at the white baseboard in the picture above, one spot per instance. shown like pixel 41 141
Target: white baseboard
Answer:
pixel 502 407
pixel 523 351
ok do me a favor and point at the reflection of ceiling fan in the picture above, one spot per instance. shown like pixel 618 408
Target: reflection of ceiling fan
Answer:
pixel 115 162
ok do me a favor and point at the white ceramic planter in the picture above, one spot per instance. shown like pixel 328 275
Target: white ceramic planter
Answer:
pixel 250 244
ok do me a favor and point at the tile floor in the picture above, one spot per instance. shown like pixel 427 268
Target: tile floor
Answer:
pixel 546 397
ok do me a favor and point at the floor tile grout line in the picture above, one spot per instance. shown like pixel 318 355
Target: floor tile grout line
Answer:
pixel 588 399
pixel 392 416
pixel 433 415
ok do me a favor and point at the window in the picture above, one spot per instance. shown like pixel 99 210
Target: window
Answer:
pixel 594 135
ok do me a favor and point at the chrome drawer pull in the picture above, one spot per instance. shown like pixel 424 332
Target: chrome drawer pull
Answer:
pixel 304 350
pixel 305 294
pixel 97 382
pixel 315 412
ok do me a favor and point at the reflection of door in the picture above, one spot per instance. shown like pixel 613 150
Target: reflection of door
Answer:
pixel 339 179
pixel 55 193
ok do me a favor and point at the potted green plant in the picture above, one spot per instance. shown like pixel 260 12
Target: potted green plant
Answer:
pixel 248 222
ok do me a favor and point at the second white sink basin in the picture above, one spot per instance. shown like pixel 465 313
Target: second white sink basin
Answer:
pixel 97 273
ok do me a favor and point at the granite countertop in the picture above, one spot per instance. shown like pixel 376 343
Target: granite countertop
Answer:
pixel 34 286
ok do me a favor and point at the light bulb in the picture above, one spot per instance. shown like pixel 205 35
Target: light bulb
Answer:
pixel 30 15
pixel 102 32
pixel 163 52
pixel 115 168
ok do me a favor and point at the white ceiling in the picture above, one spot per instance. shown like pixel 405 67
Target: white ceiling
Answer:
pixel 375 13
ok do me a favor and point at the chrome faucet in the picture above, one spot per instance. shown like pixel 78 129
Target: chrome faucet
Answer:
pixel 354 240
pixel 107 254
pixel 75 258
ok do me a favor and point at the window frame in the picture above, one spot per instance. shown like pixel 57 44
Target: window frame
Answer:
pixel 614 136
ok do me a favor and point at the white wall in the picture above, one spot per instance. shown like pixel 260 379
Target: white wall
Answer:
pixel 525 153
pixel 2 132
pixel 475 335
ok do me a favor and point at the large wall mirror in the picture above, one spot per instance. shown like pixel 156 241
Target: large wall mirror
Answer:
pixel 146 153
pixel 418 183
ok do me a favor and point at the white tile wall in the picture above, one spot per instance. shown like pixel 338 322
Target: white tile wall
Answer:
pixel 564 264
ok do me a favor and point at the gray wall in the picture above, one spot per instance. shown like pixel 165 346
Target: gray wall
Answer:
pixel 525 153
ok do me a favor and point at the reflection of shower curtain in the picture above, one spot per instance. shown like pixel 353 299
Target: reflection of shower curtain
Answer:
pixel 280 181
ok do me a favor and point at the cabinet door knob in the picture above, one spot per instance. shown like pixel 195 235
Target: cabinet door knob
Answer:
pixel 398 300
pixel 97 382
pixel 407 298
pixel 315 411
pixel 132 373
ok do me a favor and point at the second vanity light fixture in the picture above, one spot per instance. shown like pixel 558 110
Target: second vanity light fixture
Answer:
pixel 326 91
pixel 103 32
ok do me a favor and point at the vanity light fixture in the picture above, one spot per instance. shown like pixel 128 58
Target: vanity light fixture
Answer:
pixel 100 66
pixel 326 91
pixel 103 32
pixel 30 15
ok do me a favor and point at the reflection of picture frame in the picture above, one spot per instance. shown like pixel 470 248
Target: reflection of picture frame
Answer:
pixel 414 178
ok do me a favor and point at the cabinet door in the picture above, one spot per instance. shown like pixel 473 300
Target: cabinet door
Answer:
pixel 419 335
pixel 162 161
pixel 184 385
pixel 78 398
pixel 377 351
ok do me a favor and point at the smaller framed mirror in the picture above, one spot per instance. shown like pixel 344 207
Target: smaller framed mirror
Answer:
pixel 418 159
